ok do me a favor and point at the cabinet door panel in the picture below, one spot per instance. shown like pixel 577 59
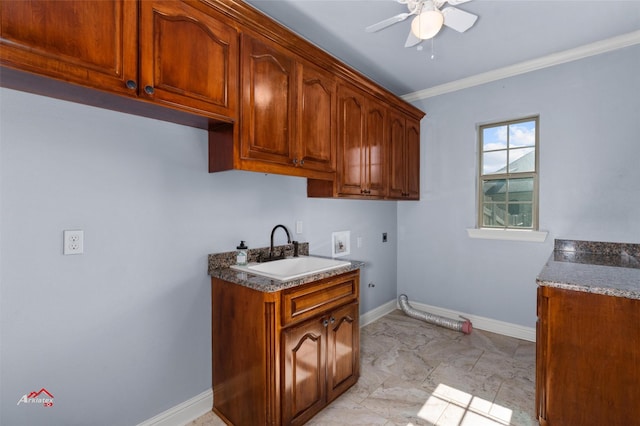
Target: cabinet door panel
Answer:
pixel 188 57
pixel 588 368
pixel 86 42
pixel 268 79
pixel 316 118
pixel 404 162
pixel 397 175
pixel 351 141
pixel 412 155
pixel 304 391
pixel 344 353
pixel 375 161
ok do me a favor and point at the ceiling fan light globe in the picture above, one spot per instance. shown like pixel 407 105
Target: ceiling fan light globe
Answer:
pixel 427 24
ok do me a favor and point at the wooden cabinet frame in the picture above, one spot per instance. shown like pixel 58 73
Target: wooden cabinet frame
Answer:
pixel 587 358
pixel 260 340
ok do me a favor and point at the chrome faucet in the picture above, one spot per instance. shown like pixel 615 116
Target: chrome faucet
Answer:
pixel 273 231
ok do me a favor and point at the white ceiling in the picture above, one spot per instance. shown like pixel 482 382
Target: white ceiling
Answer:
pixel 507 32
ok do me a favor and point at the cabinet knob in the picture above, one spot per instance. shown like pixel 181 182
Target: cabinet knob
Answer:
pixel 332 320
pixel 149 90
pixel 301 162
pixel 295 161
pixel 131 84
pixel 325 322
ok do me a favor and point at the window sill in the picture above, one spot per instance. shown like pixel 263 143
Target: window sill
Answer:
pixel 508 234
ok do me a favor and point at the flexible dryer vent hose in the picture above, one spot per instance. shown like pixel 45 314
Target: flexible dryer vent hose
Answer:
pixel 463 326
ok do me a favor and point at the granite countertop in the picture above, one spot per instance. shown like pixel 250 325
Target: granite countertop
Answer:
pixel 611 269
pixel 268 285
pixel 219 267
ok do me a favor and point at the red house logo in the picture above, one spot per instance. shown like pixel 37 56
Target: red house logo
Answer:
pixel 43 397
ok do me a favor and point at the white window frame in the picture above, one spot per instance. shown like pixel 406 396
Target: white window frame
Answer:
pixel 508 232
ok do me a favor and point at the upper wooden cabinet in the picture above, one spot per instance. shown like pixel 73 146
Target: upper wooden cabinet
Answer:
pixel 404 161
pixel 93 43
pixel 174 53
pixel 271 101
pixel 188 57
pixel 268 102
pixel 316 119
pixel 361 148
pixel 287 115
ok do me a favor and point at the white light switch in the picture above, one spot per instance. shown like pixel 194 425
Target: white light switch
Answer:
pixel 298 227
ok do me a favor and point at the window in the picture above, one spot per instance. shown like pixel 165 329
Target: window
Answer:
pixel 508 175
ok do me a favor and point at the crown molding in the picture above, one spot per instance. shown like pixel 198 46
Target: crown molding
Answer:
pixel 554 59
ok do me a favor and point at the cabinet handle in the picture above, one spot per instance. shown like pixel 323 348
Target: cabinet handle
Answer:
pixel 333 320
pixel 301 162
pixel 149 90
pixel 131 84
pixel 295 161
pixel 325 322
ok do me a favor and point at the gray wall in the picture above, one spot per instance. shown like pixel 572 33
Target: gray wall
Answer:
pixel 122 332
pixel 589 183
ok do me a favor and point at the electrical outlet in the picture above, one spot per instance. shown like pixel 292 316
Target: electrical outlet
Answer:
pixel 384 237
pixel 298 227
pixel 73 241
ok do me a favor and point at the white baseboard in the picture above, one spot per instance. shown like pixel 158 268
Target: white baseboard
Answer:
pixel 482 323
pixel 379 312
pixel 183 413
pixel 199 405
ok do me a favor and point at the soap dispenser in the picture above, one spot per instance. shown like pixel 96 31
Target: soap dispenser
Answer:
pixel 241 258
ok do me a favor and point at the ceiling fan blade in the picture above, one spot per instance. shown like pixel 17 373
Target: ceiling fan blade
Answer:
pixel 387 22
pixel 457 19
pixel 456 2
pixel 412 40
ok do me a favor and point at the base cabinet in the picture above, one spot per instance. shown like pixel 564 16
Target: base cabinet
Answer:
pixel 281 357
pixel 320 362
pixel 587 359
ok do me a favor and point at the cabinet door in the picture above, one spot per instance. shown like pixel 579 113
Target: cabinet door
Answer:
pixel 188 57
pixel 374 150
pixel 268 93
pixel 343 358
pixel 92 43
pixel 397 142
pixel 587 358
pixel 412 155
pixel 351 140
pixel 316 113
pixel 404 152
pixel 304 367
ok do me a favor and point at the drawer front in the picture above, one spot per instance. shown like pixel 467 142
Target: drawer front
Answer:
pixel 312 299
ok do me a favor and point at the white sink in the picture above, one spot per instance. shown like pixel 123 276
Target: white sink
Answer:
pixel 292 267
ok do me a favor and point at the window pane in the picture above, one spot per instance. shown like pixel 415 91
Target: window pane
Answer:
pixel 522 134
pixel 494 138
pixel 494 214
pixel 494 190
pixel 521 189
pixel 522 160
pixel 494 162
pixel 521 215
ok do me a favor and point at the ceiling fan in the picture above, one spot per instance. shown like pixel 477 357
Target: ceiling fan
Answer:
pixel 429 19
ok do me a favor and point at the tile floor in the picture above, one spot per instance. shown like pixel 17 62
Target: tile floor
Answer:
pixel 414 373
